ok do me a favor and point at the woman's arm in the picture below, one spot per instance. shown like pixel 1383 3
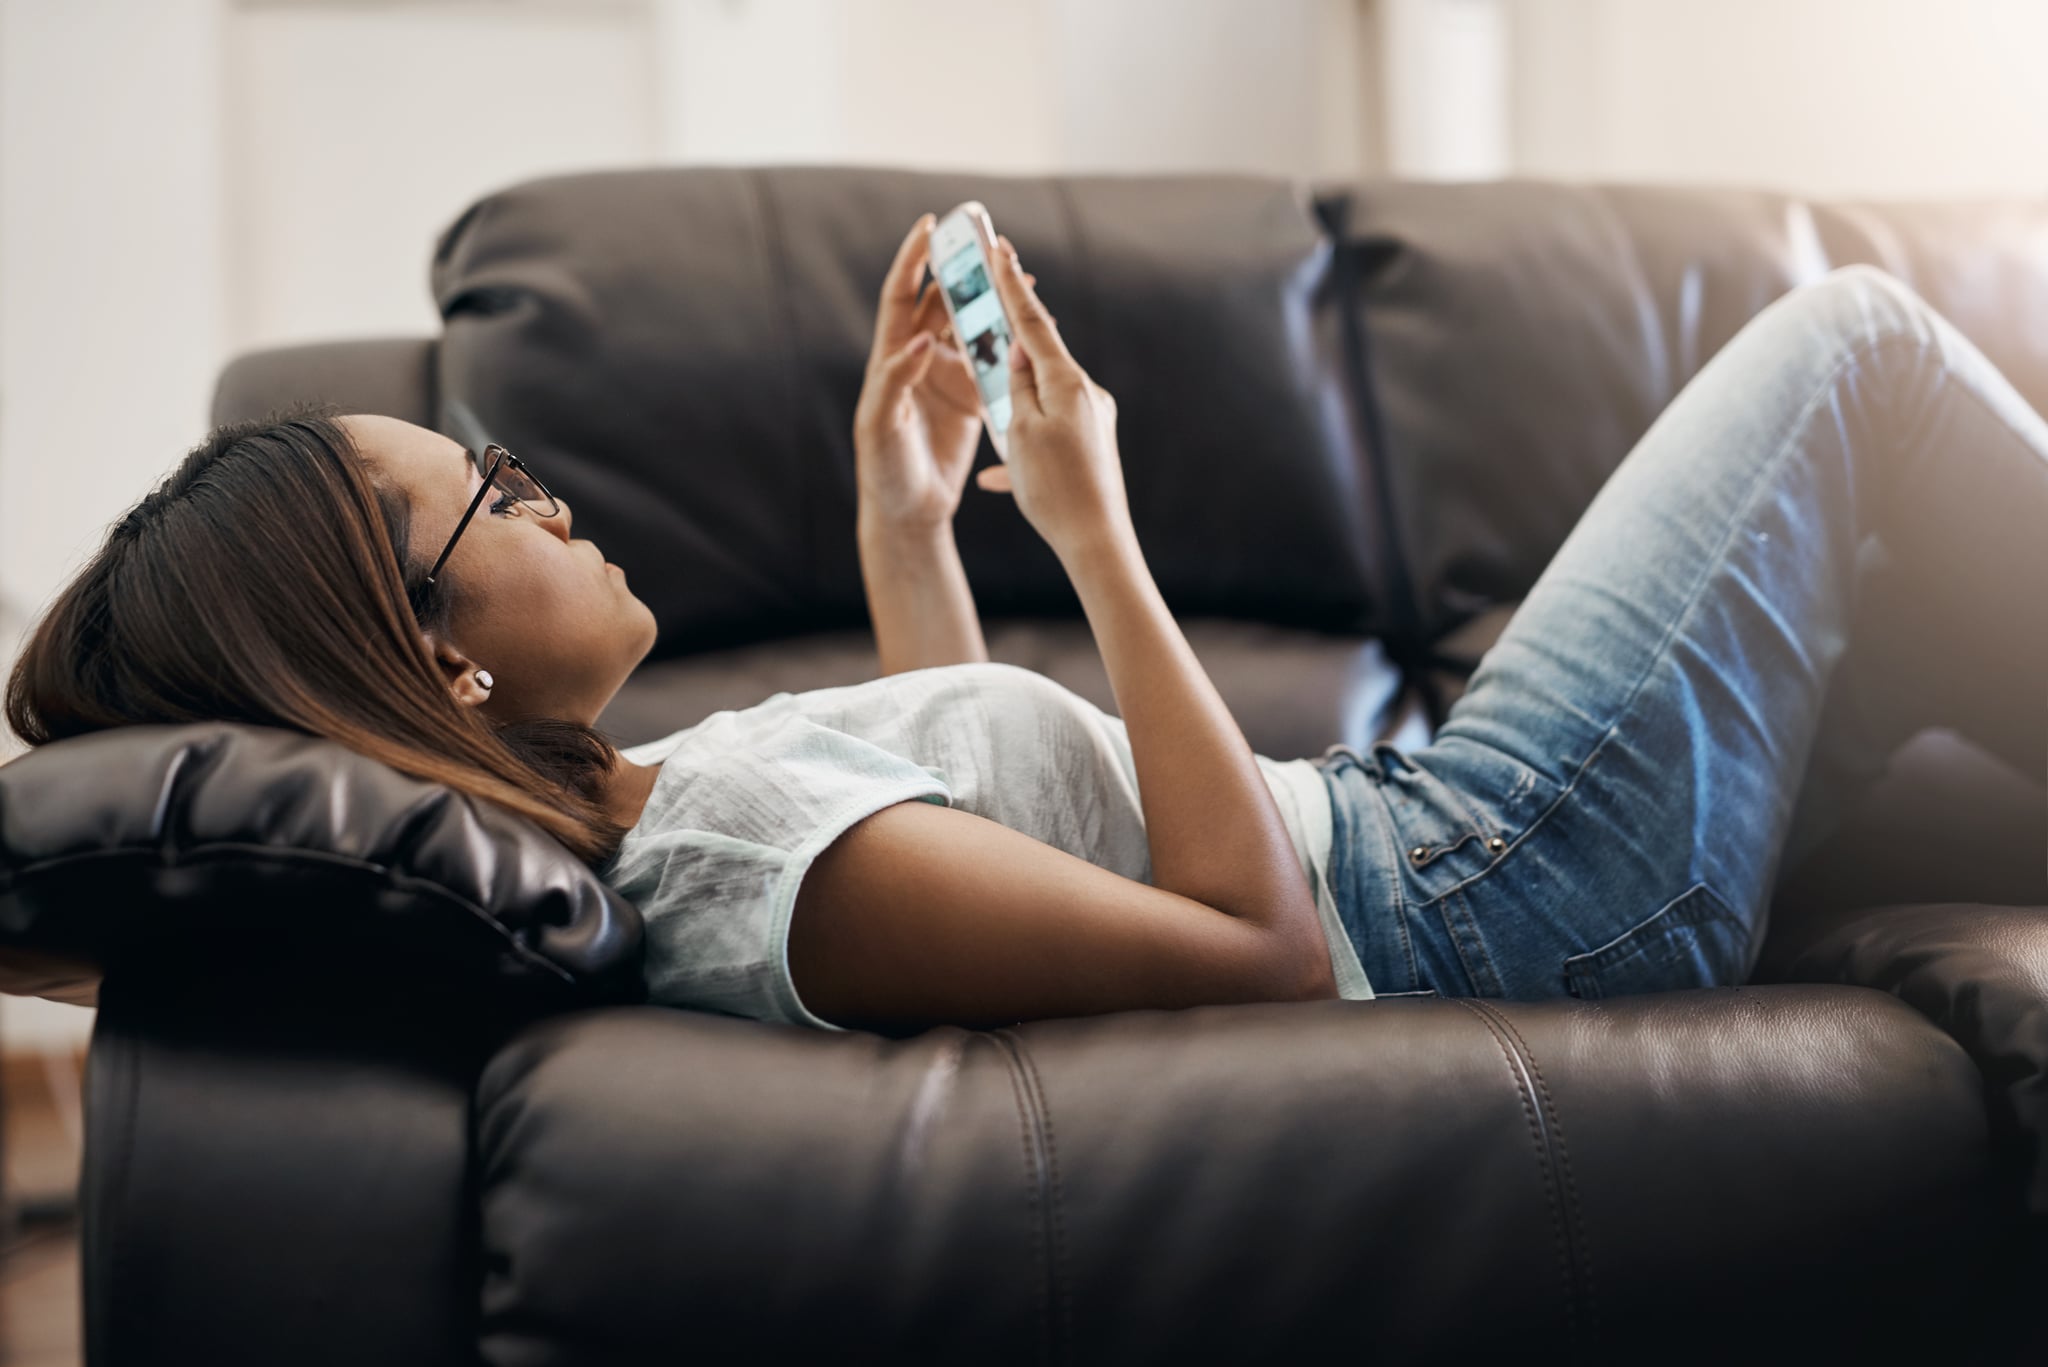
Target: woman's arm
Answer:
pixel 918 599
pixel 1210 822
pixel 915 432
pixel 1214 831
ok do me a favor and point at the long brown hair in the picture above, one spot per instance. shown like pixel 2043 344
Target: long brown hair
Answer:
pixel 267 580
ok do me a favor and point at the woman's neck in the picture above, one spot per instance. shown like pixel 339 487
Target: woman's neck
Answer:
pixel 628 790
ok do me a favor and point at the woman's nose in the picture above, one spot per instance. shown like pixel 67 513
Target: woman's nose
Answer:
pixel 563 520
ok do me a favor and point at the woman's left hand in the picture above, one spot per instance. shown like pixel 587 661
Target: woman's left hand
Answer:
pixel 918 422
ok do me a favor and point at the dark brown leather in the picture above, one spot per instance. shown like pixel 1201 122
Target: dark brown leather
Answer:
pixel 278 1173
pixel 1423 1181
pixel 645 336
pixel 125 845
pixel 1978 972
pixel 389 375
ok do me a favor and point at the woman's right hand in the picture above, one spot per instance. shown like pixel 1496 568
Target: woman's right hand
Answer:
pixel 1061 463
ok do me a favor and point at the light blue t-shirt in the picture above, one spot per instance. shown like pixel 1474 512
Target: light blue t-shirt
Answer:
pixel 747 799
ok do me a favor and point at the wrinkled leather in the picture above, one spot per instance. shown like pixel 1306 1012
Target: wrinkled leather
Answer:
pixel 642 335
pixel 124 845
pixel 1426 1181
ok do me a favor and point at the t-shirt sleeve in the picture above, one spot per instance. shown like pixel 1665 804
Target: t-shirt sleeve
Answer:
pixel 715 862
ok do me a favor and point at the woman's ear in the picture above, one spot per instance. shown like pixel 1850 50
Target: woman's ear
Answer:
pixel 468 683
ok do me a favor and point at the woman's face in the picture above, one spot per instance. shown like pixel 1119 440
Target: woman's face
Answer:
pixel 552 622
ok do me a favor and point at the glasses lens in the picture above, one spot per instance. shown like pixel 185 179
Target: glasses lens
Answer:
pixel 520 485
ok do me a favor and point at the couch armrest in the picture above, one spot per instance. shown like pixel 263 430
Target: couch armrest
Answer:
pixel 1429 1180
pixel 389 375
pixel 276 1171
pixel 239 843
pixel 1980 973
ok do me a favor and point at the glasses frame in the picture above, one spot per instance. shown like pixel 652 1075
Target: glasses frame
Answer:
pixel 499 456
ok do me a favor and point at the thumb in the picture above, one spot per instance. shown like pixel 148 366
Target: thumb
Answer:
pixel 995 479
pixel 902 371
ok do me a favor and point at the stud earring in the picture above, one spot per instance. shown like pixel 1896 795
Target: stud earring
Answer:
pixel 483 680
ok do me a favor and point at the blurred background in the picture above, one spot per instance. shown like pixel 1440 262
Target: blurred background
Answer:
pixel 181 180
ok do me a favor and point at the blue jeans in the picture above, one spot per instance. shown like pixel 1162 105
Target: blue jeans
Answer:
pixel 1835 535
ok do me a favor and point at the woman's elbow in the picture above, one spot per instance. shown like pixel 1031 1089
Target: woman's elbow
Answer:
pixel 1305 973
pixel 1321 982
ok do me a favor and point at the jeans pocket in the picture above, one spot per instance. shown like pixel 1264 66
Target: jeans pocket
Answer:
pixel 1695 941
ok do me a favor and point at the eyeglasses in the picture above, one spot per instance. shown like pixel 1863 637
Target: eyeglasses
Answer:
pixel 515 484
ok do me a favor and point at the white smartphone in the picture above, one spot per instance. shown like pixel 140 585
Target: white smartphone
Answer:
pixel 963 244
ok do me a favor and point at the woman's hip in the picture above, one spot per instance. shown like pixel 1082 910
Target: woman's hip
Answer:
pixel 1459 873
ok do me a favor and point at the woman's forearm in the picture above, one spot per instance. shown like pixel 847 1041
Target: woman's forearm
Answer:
pixel 918 599
pixel 1210 820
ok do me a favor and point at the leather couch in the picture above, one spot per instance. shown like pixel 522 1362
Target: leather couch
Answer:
pixel 371 1081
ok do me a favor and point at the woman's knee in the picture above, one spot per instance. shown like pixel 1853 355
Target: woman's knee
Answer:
pixel 1862 305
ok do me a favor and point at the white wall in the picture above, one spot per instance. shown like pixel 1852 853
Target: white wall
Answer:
pixel 112 271
pixel 890 82
pixel 1026 86
pixel 1277 87
pixel 112 287
pixel 1445 79
pixel 1899 98
pixel 354 135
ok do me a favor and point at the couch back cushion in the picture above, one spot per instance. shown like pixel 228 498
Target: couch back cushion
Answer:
pixel 678 351
pixel 1521 336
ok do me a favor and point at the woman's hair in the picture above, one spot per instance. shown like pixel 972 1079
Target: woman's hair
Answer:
pixel 267 580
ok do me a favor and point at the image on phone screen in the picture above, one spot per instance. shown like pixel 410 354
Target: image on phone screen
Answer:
pixel 978 322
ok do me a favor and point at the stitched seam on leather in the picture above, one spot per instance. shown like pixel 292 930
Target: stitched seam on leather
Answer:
pixel 1544 1167
pixel 1034 1188
pixel 1581 1245
pixel 1063 1281
pixel 1856 356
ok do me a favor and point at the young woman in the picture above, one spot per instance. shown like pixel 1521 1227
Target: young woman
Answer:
pixel 1838 499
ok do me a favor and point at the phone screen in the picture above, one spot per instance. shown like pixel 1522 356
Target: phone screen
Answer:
pixel 979 324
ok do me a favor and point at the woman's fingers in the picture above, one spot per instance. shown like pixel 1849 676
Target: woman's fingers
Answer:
pixel 896 376
pixel 931 315
pixel 1028 315
pixel 995 479
pixel 899 287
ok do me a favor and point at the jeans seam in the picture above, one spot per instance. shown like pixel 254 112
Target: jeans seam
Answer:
pixel 1391 863
pixel 1468 929
pixel 1856 356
